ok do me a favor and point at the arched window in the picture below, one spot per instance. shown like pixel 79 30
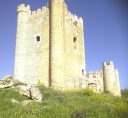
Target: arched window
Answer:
pixel 38 38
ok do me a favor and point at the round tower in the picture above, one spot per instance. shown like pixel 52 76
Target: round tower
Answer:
pixel 56 43
pixel 109 78
pixel 118 92
pixel 23 13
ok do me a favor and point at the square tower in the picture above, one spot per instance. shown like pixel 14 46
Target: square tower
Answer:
pixel 49 46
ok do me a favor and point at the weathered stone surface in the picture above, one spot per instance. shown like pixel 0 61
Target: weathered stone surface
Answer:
pixel 6 82
pixel 14 101
pixel 25 102
pixel 60 65
pixel 33 92
pixel 105 80
pixel 24 90
pixel 50 51
pixel 111 78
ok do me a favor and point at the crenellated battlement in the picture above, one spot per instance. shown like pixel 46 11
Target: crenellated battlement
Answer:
pixel 81 20
pixel 23 8
pixel 73 18
pixel 26 8
pixel 110 63
pixel 50 43
pixel 39 11
pixel 95 74
pixel 57 1
pixel 34 12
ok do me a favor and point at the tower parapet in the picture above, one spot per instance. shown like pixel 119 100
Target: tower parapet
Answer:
pixel 40 11
pixel 23 8
pixel 24 12
pixel 57 1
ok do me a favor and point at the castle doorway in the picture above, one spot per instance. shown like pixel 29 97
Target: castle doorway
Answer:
pixel 92 86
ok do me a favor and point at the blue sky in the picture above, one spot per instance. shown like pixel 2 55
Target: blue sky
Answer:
pixel 105 29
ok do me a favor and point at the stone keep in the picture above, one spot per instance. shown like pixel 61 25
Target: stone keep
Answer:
pixel 49 46
pixel 50 51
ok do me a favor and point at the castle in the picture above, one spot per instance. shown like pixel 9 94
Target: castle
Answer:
pixel 50 51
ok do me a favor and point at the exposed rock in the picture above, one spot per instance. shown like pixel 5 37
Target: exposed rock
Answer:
pixel 24 90
pixel 25 102
pixel 17 83
pixel 35 94
pixel 32 92
pixel 6 82
pixel 14 101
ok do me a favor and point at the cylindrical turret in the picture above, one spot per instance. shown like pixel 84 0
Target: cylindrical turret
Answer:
pixel 23 13
pixel 109 77
pixel 118 91
pixel 56 22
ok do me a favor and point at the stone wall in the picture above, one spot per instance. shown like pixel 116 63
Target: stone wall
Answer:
pixel 32 45
pixel 105 80
pixel 49 46
pixel 50 50
pixel 74 50
pixel 95 81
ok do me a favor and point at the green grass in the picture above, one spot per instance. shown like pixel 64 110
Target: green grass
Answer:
pixel 57 104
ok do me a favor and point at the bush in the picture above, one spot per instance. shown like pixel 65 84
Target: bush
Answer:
pixel 124 92
pixel 88 92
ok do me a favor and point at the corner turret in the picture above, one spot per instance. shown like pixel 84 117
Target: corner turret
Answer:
pixel 110 78
pixel 23 12
pixel 23 8
pixel 23 15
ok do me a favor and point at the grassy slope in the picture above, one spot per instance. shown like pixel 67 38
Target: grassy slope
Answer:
pixel 58 104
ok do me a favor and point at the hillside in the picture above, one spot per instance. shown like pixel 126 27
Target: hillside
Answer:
pixel 56 104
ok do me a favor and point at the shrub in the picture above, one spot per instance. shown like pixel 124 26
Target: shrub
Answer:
pixel 124 92
pixel 121 106
pixel 88 92
pixel 78 114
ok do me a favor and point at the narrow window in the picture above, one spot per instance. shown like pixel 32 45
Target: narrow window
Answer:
pixel 74 42
pixel 74 39
pixel 82 71
pixel 38 38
